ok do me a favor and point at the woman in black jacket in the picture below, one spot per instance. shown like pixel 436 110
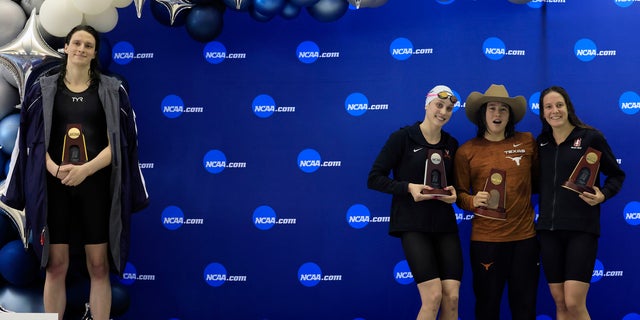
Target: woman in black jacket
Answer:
pixel 569 222
pixel 422 215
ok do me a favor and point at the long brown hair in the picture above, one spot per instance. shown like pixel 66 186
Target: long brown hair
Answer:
pixel 571 111
pixel 94 66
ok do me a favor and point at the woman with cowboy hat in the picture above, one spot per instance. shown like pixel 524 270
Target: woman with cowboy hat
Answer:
pixel 493 178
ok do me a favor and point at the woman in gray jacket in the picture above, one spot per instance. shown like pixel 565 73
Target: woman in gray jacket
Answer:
pixel 76 172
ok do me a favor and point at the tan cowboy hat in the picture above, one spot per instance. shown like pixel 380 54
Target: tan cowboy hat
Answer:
pixel 496 92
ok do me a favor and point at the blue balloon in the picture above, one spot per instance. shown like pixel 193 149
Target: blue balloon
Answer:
pixel 8 132
pixel 204 23
pixel 290 11
pixel 269 7
pixel 303 3
pixel 22 299
pixel 328 10
pixel 17 265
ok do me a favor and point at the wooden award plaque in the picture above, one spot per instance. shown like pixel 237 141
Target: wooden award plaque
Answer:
pixel 435 174
pixel 585 173
pixel 74 148
pixel 496 186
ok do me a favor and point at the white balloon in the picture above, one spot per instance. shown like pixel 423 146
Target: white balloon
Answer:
pixel 103 22
pixel 12 20
pixel 121 3
pixel 58 17
pixel 91 6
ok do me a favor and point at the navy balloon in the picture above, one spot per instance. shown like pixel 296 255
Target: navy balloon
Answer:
pixel 120 299
pixel 8 231
pixel 290 11
pixel 77 295
pixel 204 23
pixel 8 132
pixel 17 265
pixel 259 16
pixel 160 12
pixel 3 161
pixel 302 3
pixel 328 10
pixel 268 7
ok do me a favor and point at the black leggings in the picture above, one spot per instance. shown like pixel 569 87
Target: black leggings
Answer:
pixel 433 255
pixel 568 255
pixel 495 264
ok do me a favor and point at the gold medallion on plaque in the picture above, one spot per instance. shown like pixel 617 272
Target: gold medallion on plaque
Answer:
pixel 435 174
pixel 585 173
pixel 496 187
pixel 74 147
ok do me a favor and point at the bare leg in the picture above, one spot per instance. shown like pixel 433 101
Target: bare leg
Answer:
pixel 55 294
pixel 450 297
pixel 430 295
pixel 575 296
pixel 557 292
pixel 100 294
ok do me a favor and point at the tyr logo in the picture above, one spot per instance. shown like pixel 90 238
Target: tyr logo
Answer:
pixel 76 99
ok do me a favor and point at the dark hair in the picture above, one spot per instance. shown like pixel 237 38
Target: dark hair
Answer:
pixel 481 121
pixel 571 111
pixel 94 67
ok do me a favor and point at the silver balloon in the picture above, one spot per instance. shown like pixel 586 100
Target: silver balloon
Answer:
pixel 139 4
pixel 175 7
pixel 9 98
pixel 29 5
pixel 28 55
pixel 239 5
pixel 8 76
pixel 367 3
pixel 12 19
pixel 18 217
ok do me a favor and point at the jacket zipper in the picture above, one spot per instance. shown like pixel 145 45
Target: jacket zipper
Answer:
pixel 555 183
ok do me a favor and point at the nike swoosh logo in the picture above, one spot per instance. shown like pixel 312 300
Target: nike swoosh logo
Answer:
pixel 544 144
pixel 416 150
pixel 515 145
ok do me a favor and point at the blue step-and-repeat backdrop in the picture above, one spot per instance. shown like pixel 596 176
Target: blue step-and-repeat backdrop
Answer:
pixel 256 147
